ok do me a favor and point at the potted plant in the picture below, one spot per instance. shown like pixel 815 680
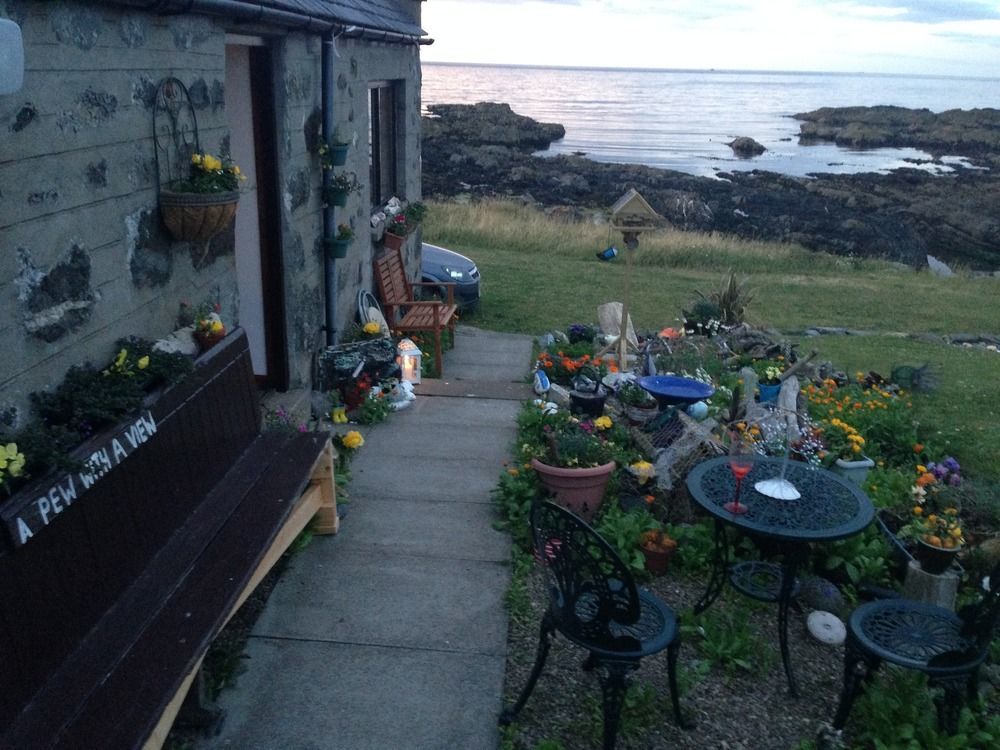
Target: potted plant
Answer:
pixel 205 322
pixel 768 379
pixel 337 247
pixel 657 547
pixel 575 461
pixel 334 153
pixel 340 188
pixel 198 208
pixel 639 404
pixel 845 450
pixel 935 527
pixel 400 222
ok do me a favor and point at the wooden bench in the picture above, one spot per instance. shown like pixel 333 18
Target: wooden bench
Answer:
pixel 406 314
pixel 110 598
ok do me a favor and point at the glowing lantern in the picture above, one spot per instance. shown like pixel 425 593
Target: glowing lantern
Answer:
pixel 408 357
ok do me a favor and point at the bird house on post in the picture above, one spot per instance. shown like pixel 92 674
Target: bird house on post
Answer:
pixel 631 215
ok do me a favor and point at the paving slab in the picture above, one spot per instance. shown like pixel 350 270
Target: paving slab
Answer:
pixel 333 696
pixel 455 479
pixel 411 601
pixel 424 527
pixel 477 389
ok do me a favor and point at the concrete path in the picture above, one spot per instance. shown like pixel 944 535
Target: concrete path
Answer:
pixel 392 635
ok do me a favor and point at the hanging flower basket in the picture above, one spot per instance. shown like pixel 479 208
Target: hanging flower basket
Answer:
pixel 197 217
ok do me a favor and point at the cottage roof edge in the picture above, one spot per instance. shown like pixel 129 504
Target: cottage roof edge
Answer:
pixel 312 15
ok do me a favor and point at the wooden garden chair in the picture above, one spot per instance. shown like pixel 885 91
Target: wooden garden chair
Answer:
pixel 408 315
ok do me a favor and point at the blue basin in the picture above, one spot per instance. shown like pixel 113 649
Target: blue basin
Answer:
pixel 670 390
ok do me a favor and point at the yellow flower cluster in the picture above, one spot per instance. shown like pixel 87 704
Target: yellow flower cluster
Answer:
pixel 827 397
pixel 209 163
pixel 603 422
pixel 371 328
pixel 842 438
pixel 353 440
pixel 11 461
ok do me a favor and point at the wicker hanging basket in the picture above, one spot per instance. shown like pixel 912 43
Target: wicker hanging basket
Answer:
pixel 197 217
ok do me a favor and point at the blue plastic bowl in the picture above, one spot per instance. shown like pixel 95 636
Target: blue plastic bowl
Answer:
pixel 670 390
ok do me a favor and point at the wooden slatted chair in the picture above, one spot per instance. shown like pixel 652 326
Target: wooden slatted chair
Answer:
pixel 406 314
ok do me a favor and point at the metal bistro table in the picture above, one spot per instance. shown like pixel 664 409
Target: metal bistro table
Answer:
pixel 829 508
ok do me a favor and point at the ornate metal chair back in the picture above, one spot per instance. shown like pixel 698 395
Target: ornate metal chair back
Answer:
pixel 979 620
pixel 590 589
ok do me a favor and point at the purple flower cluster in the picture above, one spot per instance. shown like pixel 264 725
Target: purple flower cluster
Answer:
pixel 947 471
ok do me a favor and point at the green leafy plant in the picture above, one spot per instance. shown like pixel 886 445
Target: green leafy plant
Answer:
pixel 623 531
pixel 726 639
pixel 731 299
pixel 896 712
pixel 695 546
pixel 375 408
pixel 344 232
pixel 345 182
pixel 515 492
pixel 863 558
pixel 517 599
pixel 631 394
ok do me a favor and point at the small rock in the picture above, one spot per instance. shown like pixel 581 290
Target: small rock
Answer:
pixel 819 593
pixel 180 341
pixel 939 268
pixel 745 147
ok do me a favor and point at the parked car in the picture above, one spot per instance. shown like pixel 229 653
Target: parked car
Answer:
pixel 440 264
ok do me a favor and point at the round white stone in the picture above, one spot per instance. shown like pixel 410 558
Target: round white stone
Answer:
pixel 826 628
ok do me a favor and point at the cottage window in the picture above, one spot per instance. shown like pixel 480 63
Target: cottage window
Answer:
pixel 383 136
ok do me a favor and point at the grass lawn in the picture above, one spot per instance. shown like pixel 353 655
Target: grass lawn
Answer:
pixel 540 273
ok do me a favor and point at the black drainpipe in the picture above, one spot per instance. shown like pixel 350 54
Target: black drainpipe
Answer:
pixel 329 227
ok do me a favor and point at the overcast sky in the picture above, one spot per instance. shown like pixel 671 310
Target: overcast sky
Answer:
pixel 874 36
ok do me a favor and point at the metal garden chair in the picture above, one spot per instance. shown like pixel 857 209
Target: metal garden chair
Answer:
pixel 594 602
pixel 947 647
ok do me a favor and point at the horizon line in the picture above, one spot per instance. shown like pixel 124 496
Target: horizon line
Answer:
pixel 614 69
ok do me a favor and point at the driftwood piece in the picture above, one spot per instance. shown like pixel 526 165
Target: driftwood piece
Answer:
pixel 798 366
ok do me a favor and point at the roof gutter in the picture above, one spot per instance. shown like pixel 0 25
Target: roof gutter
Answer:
pixel 246 11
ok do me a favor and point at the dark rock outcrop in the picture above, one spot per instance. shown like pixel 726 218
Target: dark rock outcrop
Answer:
pixel 901 216
pixel 489 123
pixel 974 133
pixel 745 147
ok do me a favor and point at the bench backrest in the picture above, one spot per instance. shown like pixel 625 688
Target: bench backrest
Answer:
pixel 390 275
pixel 57 584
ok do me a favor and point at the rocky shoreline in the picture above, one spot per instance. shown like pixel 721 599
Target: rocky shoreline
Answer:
pixel 486 150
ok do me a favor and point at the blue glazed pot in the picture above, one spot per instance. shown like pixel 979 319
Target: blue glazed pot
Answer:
pixel 769 393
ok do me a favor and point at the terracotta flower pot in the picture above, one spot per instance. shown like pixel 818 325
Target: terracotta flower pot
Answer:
pixel 393 241
pixel 658 559
pixel 578 490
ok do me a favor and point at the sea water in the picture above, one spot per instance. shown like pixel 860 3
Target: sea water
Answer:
pixel 683 119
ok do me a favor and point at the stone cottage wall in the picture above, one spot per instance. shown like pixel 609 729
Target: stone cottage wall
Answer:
pixel 360 63
pixel 83 257
pixel 83 260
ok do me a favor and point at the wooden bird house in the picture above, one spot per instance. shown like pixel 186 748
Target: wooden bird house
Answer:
pixel 631 215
